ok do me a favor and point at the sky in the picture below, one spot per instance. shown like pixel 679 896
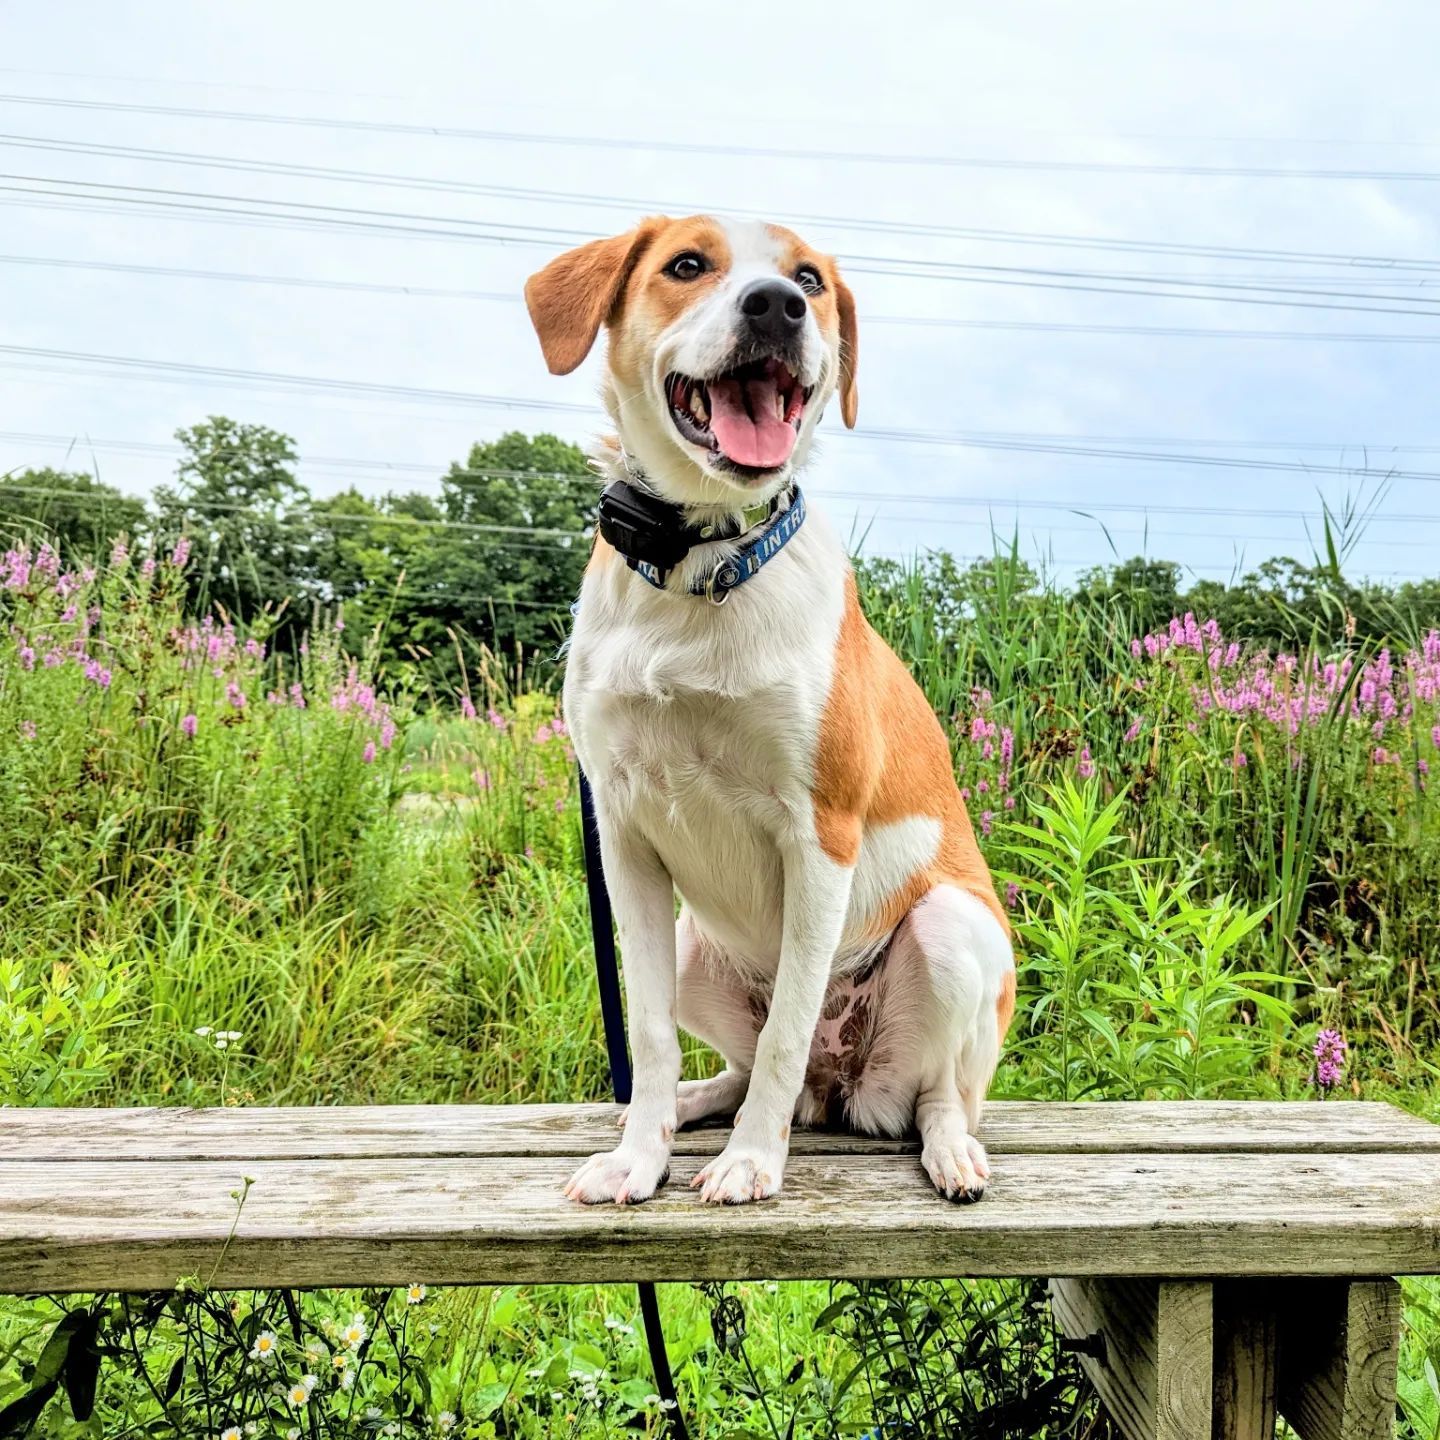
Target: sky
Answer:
pixel 998 183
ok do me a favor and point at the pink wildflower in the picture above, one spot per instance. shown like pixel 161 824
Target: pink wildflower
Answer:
pixel 481 779
pixel 190 725
pixel 467 707
pixel 1330 1048
pixel 181 552
pixel 367 756
pixel 1133 733
pixel 1085 767
pixel 27 730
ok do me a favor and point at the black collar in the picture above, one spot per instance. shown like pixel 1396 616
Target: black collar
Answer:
pixel 650 531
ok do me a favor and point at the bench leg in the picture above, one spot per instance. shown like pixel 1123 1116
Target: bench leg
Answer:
pixel 1339 1351
pixel 1173 1359
pixel 1148 1347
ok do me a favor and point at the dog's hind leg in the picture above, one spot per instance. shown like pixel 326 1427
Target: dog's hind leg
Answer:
pixel 715 1007
pixel 948 991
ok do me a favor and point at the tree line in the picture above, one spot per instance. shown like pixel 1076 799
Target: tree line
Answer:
pixel 492 562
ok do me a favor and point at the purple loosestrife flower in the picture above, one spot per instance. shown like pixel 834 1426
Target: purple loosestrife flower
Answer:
pixel 1133 733
pixel 367 756
pixel 497 719
pixel 96 672
pixel 1330 1048
pixel 119 554
pixel 27 658
pixel 181 552
pixel 987 821
pixel 147 566
pixel 189 725
pixel 235 695
pixel 1085 766
pixel 1012 895
pixel 467 708
pixel 297 695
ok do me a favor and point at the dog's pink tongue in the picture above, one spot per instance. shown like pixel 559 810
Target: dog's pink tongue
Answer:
pixel 763 441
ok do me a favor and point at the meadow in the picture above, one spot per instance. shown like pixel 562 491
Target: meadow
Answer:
pixel 233 876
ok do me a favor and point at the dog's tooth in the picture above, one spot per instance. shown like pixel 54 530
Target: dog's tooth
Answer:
pixel 697 405
pixel 779 403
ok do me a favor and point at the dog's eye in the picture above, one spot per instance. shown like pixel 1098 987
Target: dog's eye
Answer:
pixel 687 266
pixel 807 277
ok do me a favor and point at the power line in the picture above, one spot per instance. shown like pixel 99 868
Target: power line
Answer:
pixel 536 195
pixel 691 147
pixel 978 502
pixel 169 369
pixel 530 233
pixel 918 321
pixel 899 267
pixel 352 218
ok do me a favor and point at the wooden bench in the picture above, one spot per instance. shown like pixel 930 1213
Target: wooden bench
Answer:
pixel 1213 1262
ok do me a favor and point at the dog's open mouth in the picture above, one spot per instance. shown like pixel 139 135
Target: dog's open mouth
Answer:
pixel 749 416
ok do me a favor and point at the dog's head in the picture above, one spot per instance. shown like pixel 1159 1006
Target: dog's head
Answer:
pixel 727 339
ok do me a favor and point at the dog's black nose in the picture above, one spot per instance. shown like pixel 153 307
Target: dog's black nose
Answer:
pixel 774 309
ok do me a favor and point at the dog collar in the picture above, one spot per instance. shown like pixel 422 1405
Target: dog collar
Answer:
pixel 654 536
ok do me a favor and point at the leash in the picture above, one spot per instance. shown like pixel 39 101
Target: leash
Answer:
pixel 612 1013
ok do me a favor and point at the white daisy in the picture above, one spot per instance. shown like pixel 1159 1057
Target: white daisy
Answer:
pixel 355 1332
pixel 265 1346
pixel 233 1433
pixel 414 1294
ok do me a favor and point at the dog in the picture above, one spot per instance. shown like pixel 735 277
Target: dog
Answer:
pixel 752 743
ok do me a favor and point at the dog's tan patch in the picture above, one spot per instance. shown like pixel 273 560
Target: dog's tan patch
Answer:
pixel 882 757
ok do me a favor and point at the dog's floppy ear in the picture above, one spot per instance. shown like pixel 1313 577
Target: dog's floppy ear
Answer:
pixel 849 353
pixel 576 293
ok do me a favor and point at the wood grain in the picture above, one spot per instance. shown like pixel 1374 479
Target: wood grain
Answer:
pixel 1148 1351
pixel 1339 1354
pixel 100 1225
pixel 398 1131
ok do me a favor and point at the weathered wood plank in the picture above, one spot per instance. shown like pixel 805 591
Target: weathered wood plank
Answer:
pixel 1148 1347
pixel 395 1131
pixel 1339 1353
pixel 140 1225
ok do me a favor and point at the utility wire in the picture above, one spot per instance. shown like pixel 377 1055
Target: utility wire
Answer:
pixel 695 147
pixel 169 369
pixel 356 218
pixel 634 204
pixel 917 321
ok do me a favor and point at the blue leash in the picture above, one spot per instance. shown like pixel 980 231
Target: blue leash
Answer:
pixel 612 1013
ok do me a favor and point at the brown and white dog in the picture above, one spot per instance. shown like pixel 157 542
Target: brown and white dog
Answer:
pixel 839 940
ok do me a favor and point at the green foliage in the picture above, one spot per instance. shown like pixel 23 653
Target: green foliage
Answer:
pixel 359 898
pixel 73 511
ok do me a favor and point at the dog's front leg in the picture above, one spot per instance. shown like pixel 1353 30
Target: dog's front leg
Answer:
pixel 817 893
pixel 643 896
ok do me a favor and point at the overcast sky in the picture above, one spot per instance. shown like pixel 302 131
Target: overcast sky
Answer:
pixel 1090 112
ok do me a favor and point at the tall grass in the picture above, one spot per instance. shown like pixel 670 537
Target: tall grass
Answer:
pixel 1210 855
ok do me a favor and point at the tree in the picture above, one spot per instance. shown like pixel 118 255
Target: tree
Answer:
pixel 246 512
pixel 505 564
pixel 78 515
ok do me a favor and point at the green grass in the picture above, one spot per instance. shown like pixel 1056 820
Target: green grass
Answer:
pixel 386 902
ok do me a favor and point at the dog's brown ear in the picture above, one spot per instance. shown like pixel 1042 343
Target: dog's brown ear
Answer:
pixel 849 353
pixel 575 294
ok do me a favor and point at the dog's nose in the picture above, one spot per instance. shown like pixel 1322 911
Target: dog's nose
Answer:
pixel 774 309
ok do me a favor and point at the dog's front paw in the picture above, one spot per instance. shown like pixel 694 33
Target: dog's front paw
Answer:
pixel 627 1175
pixel 957 1166
pixel 741 1172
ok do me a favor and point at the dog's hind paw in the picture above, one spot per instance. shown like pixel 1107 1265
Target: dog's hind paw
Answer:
pixel 625 1176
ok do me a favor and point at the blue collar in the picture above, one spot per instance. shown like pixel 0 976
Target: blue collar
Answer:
pixel 761 547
